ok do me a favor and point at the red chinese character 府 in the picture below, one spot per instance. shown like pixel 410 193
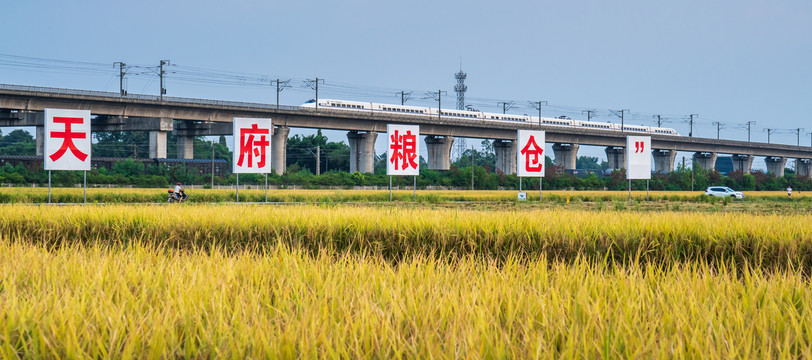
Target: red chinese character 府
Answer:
pixel 249 147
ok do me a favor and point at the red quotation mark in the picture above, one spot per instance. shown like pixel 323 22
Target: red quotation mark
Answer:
pixel 639 146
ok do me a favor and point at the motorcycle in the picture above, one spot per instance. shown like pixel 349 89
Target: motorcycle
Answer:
pixel 176 197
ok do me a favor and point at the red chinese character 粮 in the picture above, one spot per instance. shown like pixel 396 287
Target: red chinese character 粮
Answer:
pixel 404 150
pixel 532 155
pixel 250 147
pixel 67 137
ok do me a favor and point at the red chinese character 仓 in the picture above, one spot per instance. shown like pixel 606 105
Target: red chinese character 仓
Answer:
pixel 404 149
pixel 532 155
pixel 68 136
pixel 250 147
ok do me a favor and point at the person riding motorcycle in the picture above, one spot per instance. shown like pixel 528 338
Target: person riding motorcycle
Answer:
pixel 180 195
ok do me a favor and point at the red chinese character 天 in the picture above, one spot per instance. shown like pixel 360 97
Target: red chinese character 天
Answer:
pixel 532 155
pixel 404 150
pixel 67 137
pixel 249 147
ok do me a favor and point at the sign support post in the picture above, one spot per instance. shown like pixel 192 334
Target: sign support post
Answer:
pixel 67 143
pixel 638 160
pixel 252 148
pixel 530 157
pixel 415 188
pixel 403 148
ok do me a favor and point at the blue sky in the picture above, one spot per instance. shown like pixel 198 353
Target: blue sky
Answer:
pixel 728 61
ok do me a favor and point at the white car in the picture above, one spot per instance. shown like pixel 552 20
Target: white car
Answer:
pixel 722 191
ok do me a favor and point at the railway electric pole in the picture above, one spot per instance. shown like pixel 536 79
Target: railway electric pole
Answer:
pixel 691 122
pixel 621 114
pixel 659 120
pixel 589 114
pixel 162 73
pixel 121 73
pixel 506 105
pixel 769 132
pixel 810 138
pixel 314 84
pixel 537 105
pixel 798 132
pixel 280 86
pixel 404 96
pixel 748 125
pixel 719 127
pixel 437 95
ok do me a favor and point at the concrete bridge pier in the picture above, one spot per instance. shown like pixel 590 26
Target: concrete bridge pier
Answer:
pixel 186 146
pixel 362 151
pixel 505 156
pixel 742 162
pixel 279 142
pixel 616 156
pixel 439 151
pixel 776 165
pixel 705 160
pixel 663 160
pixel 157 144
pixel 40 140
pixel 803 168
pixel 565 155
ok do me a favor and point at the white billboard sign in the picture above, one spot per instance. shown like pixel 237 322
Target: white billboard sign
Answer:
pixel 67 139
pixel 638 157
pixel 252 145
pixel 530 154
pixel 403 149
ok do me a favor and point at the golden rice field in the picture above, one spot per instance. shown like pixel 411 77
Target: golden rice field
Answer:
pixel 129 195
pixel 384 281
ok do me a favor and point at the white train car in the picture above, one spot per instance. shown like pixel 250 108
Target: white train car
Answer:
pixel 459 114
pixel 505 117
pixel 401 109
pixel 476 115
pixel 552 121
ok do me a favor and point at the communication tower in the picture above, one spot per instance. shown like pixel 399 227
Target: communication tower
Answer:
pixel 460 89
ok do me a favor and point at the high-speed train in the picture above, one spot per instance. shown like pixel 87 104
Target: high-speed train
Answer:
pixel 465 114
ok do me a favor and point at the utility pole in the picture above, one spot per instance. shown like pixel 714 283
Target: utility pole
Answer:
pixel 161 73
pixel 212 164
pixel 769 132
pixel 589 114
pixel 621 114
pixel 437 95
pixel 121 74
pixel 314 84
pixel 404 96
pixel 798 132
pixel 505 106
pixel 318 160
pixel 718 128
pixel 472 167
pixel 691 122
pixel 280 85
